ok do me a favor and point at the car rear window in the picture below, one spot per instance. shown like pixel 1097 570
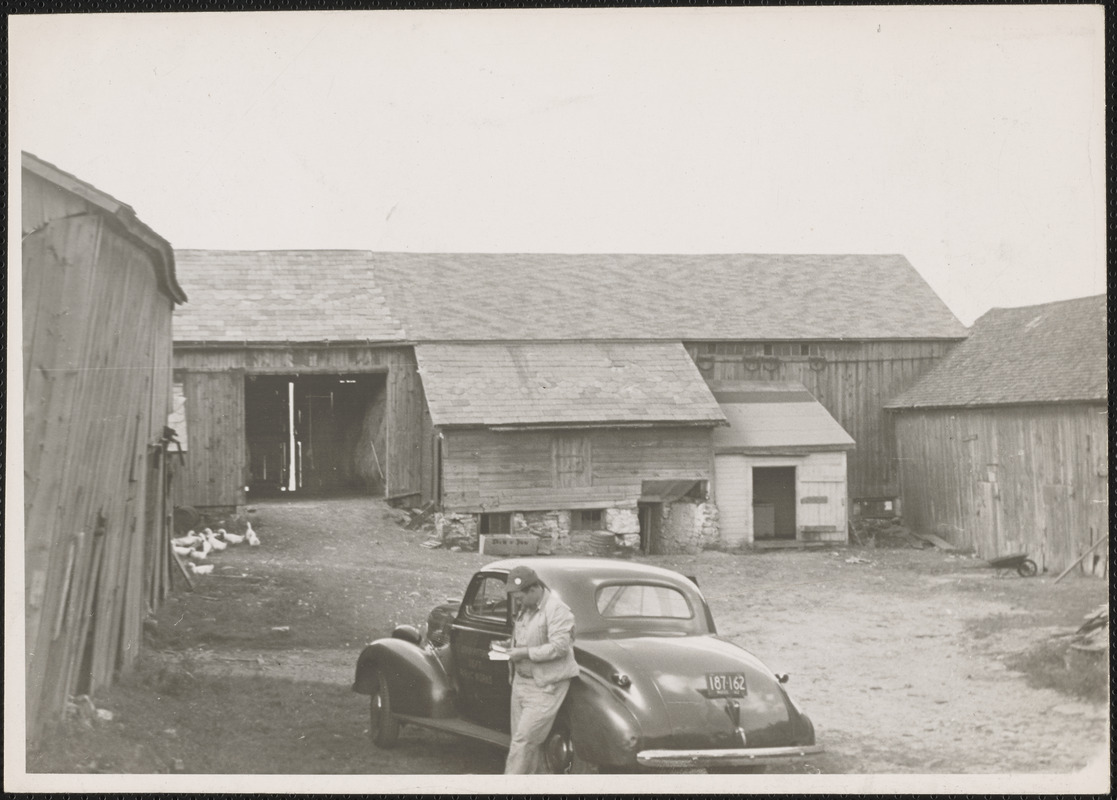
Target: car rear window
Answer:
pixel 642 600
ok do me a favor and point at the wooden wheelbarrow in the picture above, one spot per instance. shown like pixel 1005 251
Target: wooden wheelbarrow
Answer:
pixel 1024 566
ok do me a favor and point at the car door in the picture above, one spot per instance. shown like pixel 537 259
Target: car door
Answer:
pixel 483 689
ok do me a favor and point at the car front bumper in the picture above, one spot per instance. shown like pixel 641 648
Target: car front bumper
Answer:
pixel 733 757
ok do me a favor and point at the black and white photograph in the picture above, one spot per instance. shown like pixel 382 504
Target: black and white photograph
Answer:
pixel 672 400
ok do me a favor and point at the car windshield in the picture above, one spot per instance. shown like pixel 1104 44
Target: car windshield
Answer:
pixel 642 600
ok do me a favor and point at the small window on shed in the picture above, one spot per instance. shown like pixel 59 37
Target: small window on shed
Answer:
pixel 767 349
pixel 495 523
pixel 586 519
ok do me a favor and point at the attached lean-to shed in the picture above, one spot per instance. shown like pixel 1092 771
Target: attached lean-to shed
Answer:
pixel 1003 447
pixel 780 465
pixel 532 436
pixel 99 289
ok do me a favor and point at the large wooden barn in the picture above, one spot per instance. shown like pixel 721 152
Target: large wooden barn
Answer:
pixel 99 289
pixel 1004 445
pixel 314 371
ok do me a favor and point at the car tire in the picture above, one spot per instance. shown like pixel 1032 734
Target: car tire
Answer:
pixel 1027 568
pixel 382 726
pixel 744 769
pixel 559 755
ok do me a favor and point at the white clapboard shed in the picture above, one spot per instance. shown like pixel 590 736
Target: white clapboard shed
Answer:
pixel 780 465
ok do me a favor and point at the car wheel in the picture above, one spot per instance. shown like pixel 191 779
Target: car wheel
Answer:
pixel 1027 568
pixel 559 755
pixel 382 726
pixel 744 769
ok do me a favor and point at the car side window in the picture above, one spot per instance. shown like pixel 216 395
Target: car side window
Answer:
pixel 488 599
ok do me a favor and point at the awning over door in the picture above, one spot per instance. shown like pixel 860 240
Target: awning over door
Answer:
pixel 666 491
pixel 770 417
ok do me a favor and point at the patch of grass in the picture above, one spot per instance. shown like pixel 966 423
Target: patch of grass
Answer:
pixel 997 623
pixel 163 677
pixel 1045 666
pixel 213 724
pixel 229 610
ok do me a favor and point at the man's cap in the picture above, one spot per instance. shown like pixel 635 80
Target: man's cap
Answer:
pixel 521 578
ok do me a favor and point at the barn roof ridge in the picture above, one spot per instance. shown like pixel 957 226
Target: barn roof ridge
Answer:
pixel 446 297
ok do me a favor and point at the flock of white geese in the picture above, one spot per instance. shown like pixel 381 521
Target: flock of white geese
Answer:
pixel 195 547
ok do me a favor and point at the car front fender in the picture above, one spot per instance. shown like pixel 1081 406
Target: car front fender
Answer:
pixel 417 681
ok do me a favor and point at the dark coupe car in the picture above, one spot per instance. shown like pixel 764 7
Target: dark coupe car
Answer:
pixel 658 687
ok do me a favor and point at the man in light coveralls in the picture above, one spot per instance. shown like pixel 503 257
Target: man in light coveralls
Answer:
pixel 541 664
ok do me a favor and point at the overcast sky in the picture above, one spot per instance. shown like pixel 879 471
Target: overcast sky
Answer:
pixel 969 139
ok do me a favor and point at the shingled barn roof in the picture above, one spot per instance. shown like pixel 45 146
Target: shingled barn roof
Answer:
pixel 564 384
pixel 446 297
pixel 1050 353
pixel 687 297
pixel 282 296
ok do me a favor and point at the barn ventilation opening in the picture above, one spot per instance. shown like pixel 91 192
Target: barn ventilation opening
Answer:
pixel 317 435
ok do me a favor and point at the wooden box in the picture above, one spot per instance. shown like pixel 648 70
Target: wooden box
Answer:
pixel 503 544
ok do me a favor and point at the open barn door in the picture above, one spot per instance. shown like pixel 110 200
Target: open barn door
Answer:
pixel 315 434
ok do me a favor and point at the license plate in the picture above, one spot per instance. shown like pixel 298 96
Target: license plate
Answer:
pixel 725 684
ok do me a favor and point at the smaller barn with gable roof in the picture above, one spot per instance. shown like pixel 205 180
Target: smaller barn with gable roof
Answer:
pixel 1003 447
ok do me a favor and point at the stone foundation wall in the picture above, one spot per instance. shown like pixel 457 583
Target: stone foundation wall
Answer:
pixel 622 520
pixel 689 526
pixel 457 530
pixel 552 528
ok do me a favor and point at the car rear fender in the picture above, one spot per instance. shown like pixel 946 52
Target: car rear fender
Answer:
pixel 602 729
pixel 418 682
pixel 801 723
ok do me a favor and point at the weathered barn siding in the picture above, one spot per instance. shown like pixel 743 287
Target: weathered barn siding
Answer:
pixel 215 476
pixel 1009 479
pixel 853 380
pixel 517 471
pixel 215 463
pixel 97 380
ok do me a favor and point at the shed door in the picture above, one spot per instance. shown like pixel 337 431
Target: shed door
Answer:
pixel 733 493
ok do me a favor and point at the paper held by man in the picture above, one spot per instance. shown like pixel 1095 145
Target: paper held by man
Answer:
pixel 498 651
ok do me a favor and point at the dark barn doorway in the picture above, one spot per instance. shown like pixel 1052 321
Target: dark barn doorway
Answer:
pixel 651 524
pixel 315 434
pixel 773 502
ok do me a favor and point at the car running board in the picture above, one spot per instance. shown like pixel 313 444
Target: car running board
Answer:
pixel 459 726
